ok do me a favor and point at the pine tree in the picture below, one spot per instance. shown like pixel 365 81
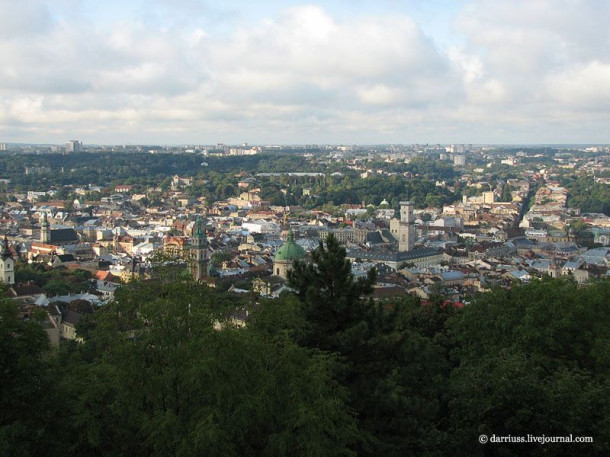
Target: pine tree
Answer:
pixel 506 194
pixel 391 371
pixel 334 302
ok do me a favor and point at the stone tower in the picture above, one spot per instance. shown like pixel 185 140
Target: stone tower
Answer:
pixel 7 264
pixel 199 252
pixel 406 228
pixel 45 230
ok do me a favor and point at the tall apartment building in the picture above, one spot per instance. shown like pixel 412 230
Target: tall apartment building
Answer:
pixel 459 160
pixel 74 146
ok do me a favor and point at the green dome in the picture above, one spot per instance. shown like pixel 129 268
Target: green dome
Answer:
pixel 290 250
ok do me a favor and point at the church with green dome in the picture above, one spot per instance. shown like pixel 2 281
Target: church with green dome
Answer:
pixel 286 255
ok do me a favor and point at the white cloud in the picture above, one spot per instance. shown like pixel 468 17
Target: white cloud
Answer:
pixel 582 87
pixel 304 75
pixel 24 21
pixel 521 43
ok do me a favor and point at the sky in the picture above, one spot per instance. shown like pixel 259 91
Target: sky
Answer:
pixel 292 72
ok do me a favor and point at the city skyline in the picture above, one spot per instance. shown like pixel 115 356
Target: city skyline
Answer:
pixel 336 72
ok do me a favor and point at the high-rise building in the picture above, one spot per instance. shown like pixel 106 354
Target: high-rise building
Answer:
pixel 73 146
pixel 459 160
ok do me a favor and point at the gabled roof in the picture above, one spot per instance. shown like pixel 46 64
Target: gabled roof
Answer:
pixel 104 275
pixel 21 290
pixel 393 256
pixel 71 317
pixel 66 257
pixel 452 275
pixel 519 274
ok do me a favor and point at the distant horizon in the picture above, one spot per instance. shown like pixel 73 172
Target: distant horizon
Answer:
pixel 248 145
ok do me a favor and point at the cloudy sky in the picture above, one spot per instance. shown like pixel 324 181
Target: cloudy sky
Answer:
pixel 285 71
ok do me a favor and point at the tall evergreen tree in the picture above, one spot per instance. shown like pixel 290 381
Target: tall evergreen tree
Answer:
pixel 334 303
pixel 506 196
pixel 390 370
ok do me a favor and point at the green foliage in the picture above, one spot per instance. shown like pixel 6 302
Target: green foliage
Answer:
pixel 219 180
pixel 24 382
pixel 332 297
pixel 373 190
pixel 55 281
pixel 323 371
pixel 533 360
pixel 220 256
pixel 587 195
pixel 56 287
pixel 101 168
pixel 155 377
pixel 422 167
pixel 278 318
pixel 390 372
pixel 34 272
pixel 506 194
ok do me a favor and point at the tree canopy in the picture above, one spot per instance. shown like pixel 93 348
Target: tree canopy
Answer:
pixel 326 370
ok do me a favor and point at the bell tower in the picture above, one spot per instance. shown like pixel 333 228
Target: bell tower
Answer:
pixel 45 230
pixel 7 264
pixel 199 252
pixel 406 229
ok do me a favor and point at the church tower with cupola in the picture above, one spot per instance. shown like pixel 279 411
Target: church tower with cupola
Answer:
pixel 7 264
pixel 45 230
pixel 286 255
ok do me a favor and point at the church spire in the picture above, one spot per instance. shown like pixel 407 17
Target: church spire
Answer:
pixel 200 239
pixel 290 237
pixel 45 232
pixel 6 251
pixel 7 264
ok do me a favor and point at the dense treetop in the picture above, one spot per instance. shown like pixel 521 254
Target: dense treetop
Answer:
pixel 321 371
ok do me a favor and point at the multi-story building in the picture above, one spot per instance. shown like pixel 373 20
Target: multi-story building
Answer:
pixel 74 146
